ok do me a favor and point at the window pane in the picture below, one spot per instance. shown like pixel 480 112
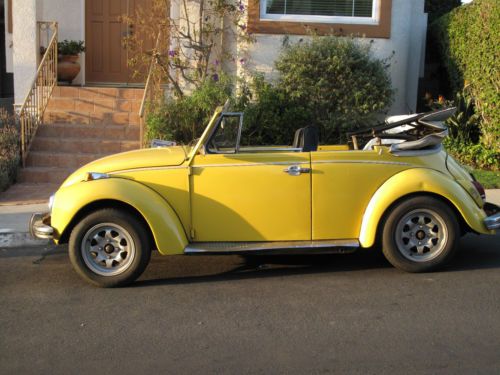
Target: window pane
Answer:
pixel 226 136
pixel 339 8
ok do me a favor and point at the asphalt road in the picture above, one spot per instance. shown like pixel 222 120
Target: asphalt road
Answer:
pixel 260 315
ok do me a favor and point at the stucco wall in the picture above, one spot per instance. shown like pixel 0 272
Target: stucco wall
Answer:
pixel 24 47
pixel 70 16
pixel 9 64
pixel 26 13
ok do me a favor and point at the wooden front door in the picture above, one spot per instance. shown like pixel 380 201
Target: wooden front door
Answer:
pixel 106 53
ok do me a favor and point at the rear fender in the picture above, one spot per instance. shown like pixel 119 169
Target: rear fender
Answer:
pixel 414 181
pixel 167 230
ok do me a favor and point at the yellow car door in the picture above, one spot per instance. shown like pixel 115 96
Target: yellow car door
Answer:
pixel 343 182
pixel 249 194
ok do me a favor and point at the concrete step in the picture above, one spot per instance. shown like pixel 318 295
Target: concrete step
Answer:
pixel 91 118
pixel 115 132
pixel 60 159
pixel 51 175
pixel 83 145
pixel 98 92
pixel 94 105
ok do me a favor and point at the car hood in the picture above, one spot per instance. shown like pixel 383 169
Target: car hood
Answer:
pixel 146 158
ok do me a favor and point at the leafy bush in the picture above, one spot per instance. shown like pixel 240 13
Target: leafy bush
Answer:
pixel 9 150
pixel 333 83
pixel 465 133
pixel 271 115
pixel 468 40
pixel 70 47
pixel 336 81
pixel 183 119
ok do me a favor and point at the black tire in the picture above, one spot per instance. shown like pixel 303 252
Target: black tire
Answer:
pixel 420 234
pixel 122 236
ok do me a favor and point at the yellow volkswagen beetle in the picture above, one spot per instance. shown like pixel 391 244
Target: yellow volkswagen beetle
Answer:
pixel 221 197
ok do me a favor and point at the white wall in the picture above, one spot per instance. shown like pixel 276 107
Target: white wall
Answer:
pixel 24 47
pixel 9 64
pixel 70 14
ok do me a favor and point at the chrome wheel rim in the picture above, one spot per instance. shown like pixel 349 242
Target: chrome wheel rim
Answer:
pixel 108 249
pixel 421 235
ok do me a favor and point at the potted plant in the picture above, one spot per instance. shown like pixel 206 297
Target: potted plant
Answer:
pixel 68 66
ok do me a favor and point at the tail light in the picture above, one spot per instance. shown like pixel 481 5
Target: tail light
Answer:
pixel 479 187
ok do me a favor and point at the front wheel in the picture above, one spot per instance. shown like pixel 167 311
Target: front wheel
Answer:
pixel 420 234
pixel 109 248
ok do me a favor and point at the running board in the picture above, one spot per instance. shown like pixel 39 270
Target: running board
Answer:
pixel 281 247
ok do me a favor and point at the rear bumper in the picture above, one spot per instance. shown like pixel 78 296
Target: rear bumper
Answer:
pixel 492 221
pixel 39 226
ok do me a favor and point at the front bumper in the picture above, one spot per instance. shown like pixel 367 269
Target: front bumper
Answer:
pixel 492 222
pixel 40 226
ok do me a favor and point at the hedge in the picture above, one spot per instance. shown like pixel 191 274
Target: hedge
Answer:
pixel 9 150
pixel 468 40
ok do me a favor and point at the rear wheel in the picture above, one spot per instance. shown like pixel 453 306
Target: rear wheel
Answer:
pixel 420 234
pixel 109 248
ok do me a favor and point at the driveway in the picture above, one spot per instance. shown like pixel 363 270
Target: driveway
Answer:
pixel 259 315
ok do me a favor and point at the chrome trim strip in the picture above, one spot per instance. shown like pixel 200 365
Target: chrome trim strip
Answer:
pixel 251 150
pixel 492 222
pixel 236 247
pixel 359 162
pixel 148 169
pixel 251 164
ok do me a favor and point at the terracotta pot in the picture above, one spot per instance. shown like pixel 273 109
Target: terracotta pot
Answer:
pixel 68 68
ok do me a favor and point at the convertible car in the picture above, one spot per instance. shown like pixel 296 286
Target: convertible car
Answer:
pixel 401 191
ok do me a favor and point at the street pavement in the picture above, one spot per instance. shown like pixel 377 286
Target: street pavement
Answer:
pixel 351 314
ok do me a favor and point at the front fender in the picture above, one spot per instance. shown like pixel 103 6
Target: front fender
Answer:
pixel 165 225
pixel 413 181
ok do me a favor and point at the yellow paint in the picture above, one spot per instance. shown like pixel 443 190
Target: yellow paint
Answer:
pixel 249 197
pixel 417 181
pixel 166 227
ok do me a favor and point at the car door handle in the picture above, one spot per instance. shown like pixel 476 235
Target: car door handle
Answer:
pixel 296 170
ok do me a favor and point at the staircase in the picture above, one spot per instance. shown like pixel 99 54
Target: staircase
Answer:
pixel 82 124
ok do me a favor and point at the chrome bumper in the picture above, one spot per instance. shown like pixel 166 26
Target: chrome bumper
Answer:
pixel 39 226
pixel 492 222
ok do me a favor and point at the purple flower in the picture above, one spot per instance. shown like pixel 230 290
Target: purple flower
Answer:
pixel 171 53
pixel 215 77
pixel 242 7
pixel 242 61
pixel 216 62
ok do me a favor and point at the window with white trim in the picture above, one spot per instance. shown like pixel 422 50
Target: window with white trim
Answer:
pixel 321 11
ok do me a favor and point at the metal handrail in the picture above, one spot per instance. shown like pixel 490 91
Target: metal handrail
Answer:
pixel 149 88
pixel 37 99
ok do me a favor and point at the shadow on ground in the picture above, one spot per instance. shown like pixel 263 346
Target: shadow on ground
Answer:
pixel 474 253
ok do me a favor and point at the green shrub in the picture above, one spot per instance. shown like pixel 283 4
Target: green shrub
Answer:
pixel 9 150
pixel 271 115
pixel 465 132
pixel 184 119
pixel 468 40
pixel 71 47
pixel 336 81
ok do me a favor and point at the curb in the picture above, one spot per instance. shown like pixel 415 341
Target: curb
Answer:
pixel 19 239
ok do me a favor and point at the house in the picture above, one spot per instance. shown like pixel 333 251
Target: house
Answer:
pixel 394 27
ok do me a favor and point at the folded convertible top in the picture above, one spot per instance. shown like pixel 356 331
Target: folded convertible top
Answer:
pixel 424 131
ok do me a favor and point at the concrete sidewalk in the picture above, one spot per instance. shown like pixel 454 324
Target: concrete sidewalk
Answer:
pixel 14 220
pixel 14 231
